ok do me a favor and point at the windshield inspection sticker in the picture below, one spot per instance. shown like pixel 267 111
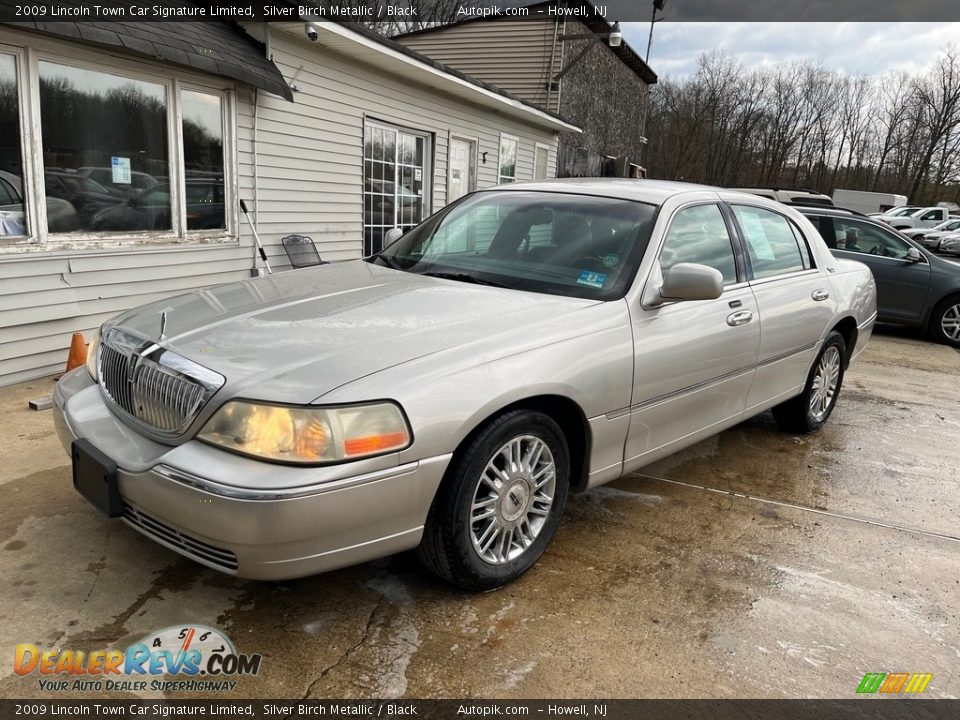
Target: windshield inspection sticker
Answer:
pixel 593 279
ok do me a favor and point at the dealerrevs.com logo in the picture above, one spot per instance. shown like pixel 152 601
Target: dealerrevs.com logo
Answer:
pixel 184 658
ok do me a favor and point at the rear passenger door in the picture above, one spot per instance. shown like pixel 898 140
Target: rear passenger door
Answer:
pixel 793 297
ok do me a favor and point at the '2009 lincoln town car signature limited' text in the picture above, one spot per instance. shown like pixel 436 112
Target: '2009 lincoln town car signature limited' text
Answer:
pixel 447 393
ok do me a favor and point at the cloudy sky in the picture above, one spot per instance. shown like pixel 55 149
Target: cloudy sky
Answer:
pixel 857 48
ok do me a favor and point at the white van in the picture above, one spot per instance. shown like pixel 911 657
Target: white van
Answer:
pixel 868 202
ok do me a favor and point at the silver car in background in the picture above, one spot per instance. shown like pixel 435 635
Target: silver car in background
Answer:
pixel 446 394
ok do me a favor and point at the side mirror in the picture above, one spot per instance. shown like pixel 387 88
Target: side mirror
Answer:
pixel 391 236
pixel 691 281
pixel 913 255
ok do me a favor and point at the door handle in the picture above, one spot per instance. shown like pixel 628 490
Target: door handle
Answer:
pixel 819 295
pixel 739 318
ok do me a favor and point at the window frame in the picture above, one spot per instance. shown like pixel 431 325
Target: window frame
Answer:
pixel 516 159
pixel 39 239
pixel 798 236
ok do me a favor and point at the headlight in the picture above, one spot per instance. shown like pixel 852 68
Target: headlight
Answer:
pixel 310 435
pixel 92 355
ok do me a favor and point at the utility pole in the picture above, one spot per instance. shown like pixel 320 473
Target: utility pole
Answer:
pixel 657 7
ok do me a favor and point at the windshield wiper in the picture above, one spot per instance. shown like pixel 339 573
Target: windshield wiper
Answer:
pixel 464 277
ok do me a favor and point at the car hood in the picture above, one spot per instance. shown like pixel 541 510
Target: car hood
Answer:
pixel 294 336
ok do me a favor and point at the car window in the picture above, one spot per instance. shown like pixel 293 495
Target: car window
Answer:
pixel 158 195
pixel 861 237
pixel 551 242
pixel 699 235
pixel 772 243
pixel 933 215
pixel 7 194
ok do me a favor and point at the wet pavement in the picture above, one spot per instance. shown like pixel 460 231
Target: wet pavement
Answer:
pixel 754 564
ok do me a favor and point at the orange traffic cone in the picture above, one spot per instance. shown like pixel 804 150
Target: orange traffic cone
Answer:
pixel 78 352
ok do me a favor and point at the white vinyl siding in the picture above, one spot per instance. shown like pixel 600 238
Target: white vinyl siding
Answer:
pixel 309 180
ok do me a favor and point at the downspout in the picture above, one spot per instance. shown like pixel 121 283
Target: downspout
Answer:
pixel 553 56
pixel 254 146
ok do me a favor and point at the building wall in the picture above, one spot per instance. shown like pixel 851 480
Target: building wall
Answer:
pixel 605 98
pixel 512 54
pixel 307 179
pixel 599 94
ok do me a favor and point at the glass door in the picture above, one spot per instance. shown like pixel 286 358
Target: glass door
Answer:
pixel 395 182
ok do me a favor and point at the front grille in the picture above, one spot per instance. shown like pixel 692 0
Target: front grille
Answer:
pixel 159 388
pixel 189 546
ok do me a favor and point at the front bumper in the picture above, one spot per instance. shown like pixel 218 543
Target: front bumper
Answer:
pixel 310 521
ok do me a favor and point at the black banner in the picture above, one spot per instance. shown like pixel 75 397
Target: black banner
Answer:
pixel 445 11
pixel 859 709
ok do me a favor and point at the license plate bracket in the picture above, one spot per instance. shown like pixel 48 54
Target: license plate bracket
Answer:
pixel 95 477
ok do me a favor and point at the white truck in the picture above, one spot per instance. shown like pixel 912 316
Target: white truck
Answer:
pixel 867 202
pixel 924 217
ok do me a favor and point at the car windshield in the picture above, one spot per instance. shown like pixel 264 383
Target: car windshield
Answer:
pixel 906 212
pixel 556 243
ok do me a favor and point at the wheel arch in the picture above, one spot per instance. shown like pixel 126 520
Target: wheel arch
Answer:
pixel 567 414
pixel 847 327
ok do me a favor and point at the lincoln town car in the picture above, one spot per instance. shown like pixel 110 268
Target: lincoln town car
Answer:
pixel 448 393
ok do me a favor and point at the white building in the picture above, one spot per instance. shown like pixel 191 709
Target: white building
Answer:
pixel 125 147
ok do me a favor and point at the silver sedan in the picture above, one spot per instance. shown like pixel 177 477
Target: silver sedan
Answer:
pixel 446 394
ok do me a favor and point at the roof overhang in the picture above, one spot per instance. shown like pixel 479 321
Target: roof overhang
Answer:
pixel 411 66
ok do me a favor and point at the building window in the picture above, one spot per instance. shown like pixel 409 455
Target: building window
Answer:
pixel 540 160
pixel 508 160
pixel 396 172
pixel 100 133
pixel 106 158
pixel 203 159
pixel 13 220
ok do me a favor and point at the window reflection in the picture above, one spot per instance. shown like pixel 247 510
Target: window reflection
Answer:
pixel 13 221
pixel 203 159
pixel 104 149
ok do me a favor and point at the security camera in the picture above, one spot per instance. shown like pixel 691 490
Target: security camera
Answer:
pixel 311 31
pixel 616 36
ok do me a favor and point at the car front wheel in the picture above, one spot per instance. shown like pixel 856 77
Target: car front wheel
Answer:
pixel 810 410
pixel 500 502
pixel 945 322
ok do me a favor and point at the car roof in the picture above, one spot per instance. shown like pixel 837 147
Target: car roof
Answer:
pixel 639 190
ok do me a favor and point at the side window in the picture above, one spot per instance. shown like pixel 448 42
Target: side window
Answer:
pixel 933 215
pixel 7 194
pixel 861 237
pixel 772 243
pixel 699 235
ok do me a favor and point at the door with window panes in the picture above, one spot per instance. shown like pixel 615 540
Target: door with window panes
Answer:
pixel 395 182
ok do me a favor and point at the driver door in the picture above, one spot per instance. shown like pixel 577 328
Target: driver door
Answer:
pixel 694 360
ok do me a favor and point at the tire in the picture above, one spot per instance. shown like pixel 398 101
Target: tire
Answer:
pixel 945 322
pixel 470 507
pixel 810 410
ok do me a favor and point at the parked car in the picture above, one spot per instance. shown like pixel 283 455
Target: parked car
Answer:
pixel 868 202
pixel 447 393
pixel 930 237
pixel 896 211
pixel 797 196
pixel 139 181
pixel 926 217
pixel 61 215
pixel 914 286
pixel 151 209
pixel 87 196
pixel 950 244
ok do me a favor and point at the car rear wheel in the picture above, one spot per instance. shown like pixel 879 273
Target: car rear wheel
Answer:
pixel 812 408
pixel 945 322
pixel 500 502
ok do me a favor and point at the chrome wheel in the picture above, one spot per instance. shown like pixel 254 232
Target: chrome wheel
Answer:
pixel 950 323
pixel 512 499
pixel 825 381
